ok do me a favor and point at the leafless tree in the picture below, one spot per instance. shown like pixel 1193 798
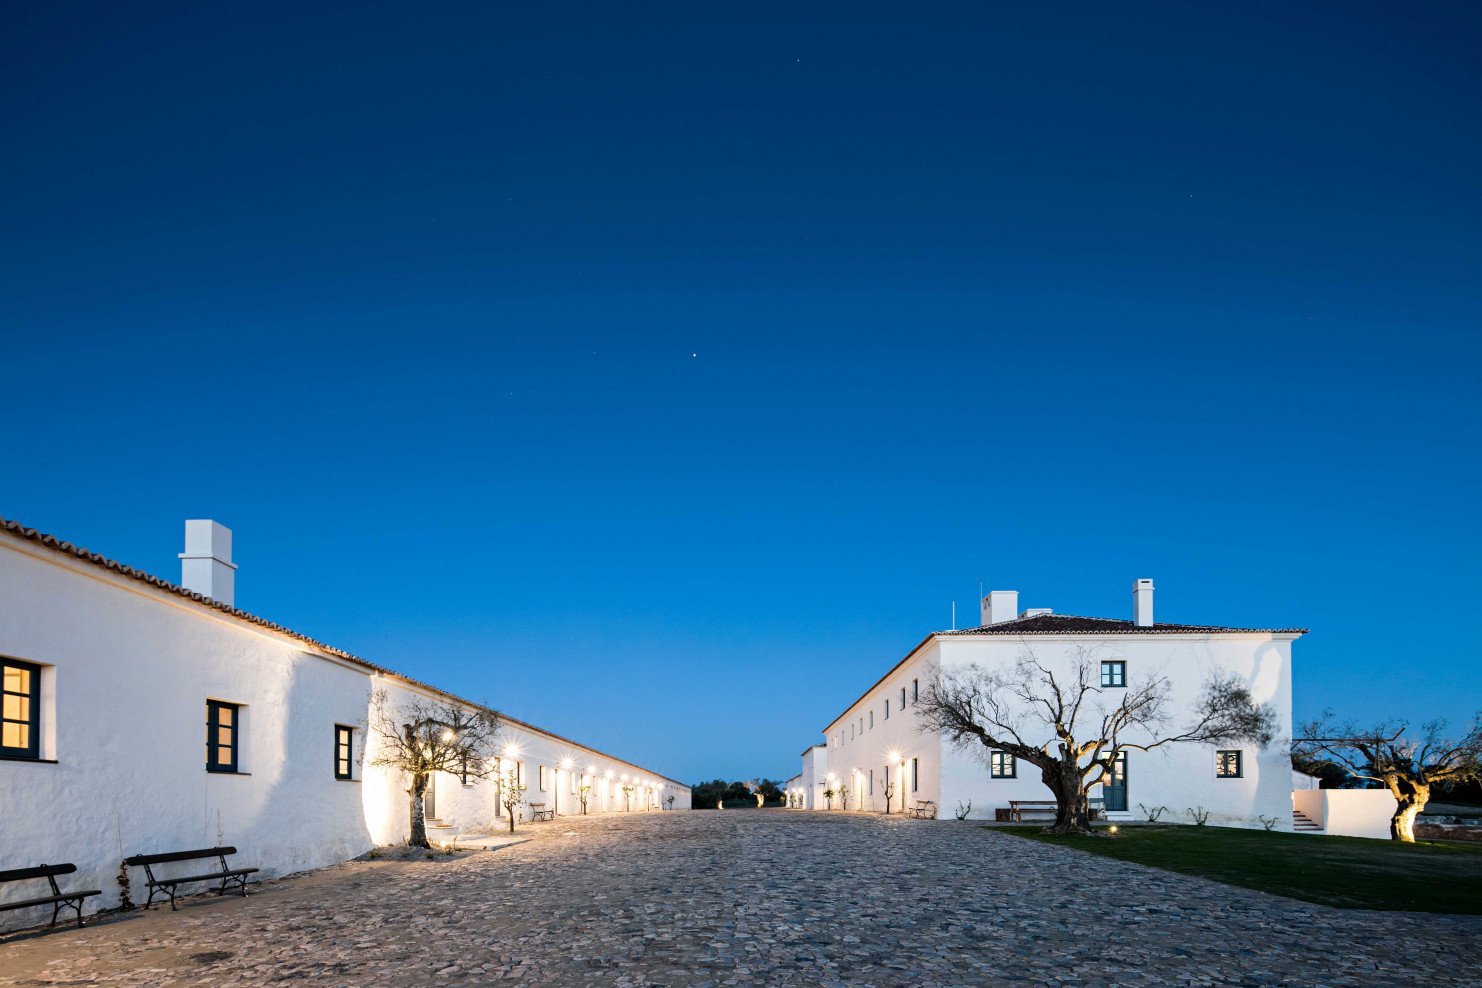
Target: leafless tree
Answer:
pixel 887 782
pixel 1058 718
pixel 418 737
pixel 584 793
pixel 509 791
pixel 1407 766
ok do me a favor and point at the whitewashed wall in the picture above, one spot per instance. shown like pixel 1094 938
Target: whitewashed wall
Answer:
pixel 814 776
pixel 1179 777
pixel 864 740
pixel 1348 812
pixel 127 671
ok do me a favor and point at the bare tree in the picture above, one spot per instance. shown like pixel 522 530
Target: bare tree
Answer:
pixel 1407 767
pixel 584 793
pixel 1062 721
pixel 887 782
pixel 419 737
pixel 510 792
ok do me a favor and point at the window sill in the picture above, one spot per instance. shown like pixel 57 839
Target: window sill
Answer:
pixel 222 771
pixel 347 780
pixel 28 758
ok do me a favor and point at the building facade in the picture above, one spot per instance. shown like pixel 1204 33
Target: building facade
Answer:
pixel 881 753
pixel 112 679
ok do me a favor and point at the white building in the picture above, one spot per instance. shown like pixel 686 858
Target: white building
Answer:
pixel 112 679
pixel 878 739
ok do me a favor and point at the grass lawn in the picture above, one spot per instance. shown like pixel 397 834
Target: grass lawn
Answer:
pixel 1349 872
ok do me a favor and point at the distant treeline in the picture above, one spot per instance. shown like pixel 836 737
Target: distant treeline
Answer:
pixel 734 795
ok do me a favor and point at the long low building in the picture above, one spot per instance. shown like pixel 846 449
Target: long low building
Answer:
pixel 112 680
pixel 878 755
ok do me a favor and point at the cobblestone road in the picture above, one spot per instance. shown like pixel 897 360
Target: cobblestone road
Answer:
pixel 742 897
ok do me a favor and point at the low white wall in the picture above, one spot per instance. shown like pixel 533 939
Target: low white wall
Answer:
pixel 1347 812
pixel 1358 812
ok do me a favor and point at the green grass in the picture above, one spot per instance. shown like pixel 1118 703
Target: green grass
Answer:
pixel 1348 872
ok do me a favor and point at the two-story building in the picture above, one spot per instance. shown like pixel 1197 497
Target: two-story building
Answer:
pixel 881 753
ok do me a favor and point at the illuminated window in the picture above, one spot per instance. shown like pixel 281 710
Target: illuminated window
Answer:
pixel 1114 674
pixel 1002 765
pixel 1227 764
pixel 222 721
pixel 544 780
pixel 343 747
pixel 20 709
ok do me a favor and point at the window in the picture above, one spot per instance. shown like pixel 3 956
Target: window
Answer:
pixel 872 782
pixel 343 746
pixel 1002 765
pixel 572 776
pixel 872 720
pixel 543 779
pixel 1114 674
pixel 915 774
pixel 903 698
pixel 915 691
pixel 221 736
pixel 519 773
pixel 861 725
pixel 1227 764
pixel 20 709
pixel 887 709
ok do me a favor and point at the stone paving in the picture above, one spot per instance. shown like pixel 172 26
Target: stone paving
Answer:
pixel 774 897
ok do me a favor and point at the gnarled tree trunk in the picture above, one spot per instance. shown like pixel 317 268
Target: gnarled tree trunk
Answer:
pixel 419 820
pixel 1410 799
pixel 1072 804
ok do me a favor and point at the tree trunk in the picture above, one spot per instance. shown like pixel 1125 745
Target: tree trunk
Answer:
pixel 1410 799
pixel 1072 803
pixel 419 822
pixel 511 815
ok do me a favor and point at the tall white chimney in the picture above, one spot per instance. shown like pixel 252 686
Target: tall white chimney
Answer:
pixel 1142 603
pixel 206 565
pixel 1000 606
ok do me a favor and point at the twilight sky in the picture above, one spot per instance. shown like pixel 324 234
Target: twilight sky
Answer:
pixel 662 374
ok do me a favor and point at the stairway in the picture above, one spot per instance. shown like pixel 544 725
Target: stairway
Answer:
pixel 1303 823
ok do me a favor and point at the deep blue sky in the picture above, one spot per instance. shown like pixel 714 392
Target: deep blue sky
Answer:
pixel 662 374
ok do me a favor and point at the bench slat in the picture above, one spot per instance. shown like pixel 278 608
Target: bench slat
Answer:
pixel 39 871
pixel 206 852
pixel 49 900
pixel 204 878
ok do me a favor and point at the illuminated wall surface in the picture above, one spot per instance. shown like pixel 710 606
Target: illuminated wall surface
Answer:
pixel 125 673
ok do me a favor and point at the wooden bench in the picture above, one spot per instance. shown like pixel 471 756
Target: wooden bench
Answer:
pixel 539 812
pixel 58 900
pixel 228 877
pixel 1018 806
pixel 925 809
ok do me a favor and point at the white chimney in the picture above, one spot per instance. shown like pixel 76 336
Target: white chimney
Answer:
pixel 206 565
pixel 1000 606
pixel 1142 603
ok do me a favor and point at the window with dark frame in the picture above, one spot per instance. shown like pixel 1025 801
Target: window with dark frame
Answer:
pixel 222 721
pixel 915 691
pixel 1114 674
pixel 1002 765
pixel 915 774
pixel 344 747
pixel 887 709
pixel 543 779
pixel 20 709
pixel 1227 765
pixel 903 698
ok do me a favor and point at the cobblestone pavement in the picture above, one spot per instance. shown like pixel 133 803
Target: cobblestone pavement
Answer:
pixel 746 897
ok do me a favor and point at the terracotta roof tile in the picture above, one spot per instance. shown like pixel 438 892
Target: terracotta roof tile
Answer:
pixel 1070 624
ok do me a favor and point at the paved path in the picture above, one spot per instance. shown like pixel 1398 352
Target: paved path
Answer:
pixel 742 897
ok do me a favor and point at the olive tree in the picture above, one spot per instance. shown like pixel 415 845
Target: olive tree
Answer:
pixel 1406 766
pixel 1058 717
pixel 417 737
